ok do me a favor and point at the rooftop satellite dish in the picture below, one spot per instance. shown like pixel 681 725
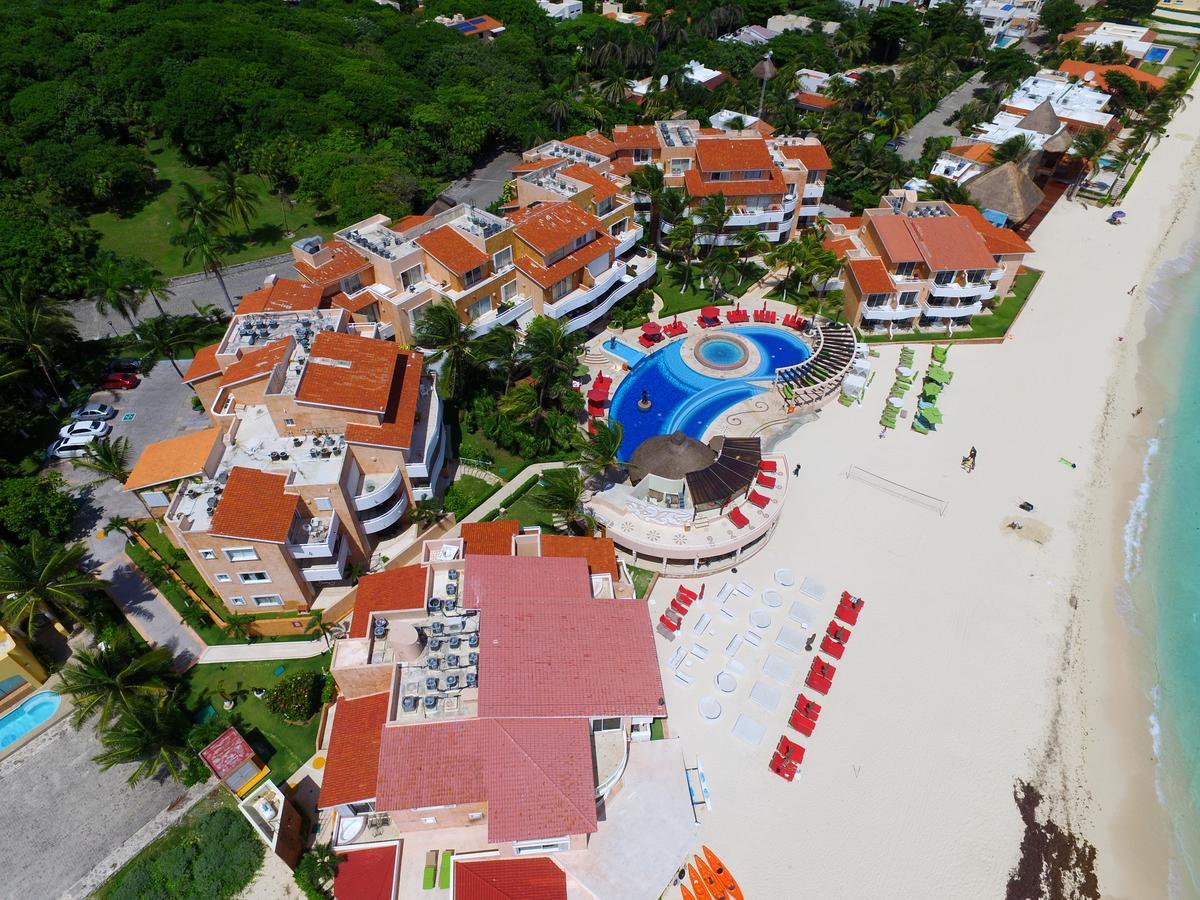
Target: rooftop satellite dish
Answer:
pixel 662 82
pixel 1089 75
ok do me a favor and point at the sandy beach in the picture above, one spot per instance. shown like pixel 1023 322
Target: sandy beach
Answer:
pixel 985 658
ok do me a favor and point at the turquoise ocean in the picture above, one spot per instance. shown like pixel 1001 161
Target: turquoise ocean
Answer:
pixel 1161 604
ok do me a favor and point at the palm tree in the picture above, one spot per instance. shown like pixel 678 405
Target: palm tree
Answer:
pixel 235 196
pixel 674 206
pixel 108 458
pixel 106 682
pixel 167 335
pixel 112 285
pixel 237 626
pixel 152 283
pixel 750 243
pixel 553 353
pixel 713 213
pixel 121 525
pixel 501 349
pixel 1016 149
pixel 36 329
pixel 648 181
pixel 546 426
pixel 598 450
pixel 43 576
pixel 558 106
pixel 682 240
pixel 153 738
pixel 440 329
pixel 790 256
pixel 1088 147
pixel 323 863
pixel 852 41
pixel 207 247
pixel 614 88
pixel 195 210
pixel 720 264
pixel 561 496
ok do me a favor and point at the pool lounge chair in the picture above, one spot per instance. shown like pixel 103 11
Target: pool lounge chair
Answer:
pixel 919 428
pixel 645 341
pixel 832 647
pixel 679 607
pixel 783 767
pixel 669 624
pixel 817 683
pixel 809 708
pixel 686 594
pixel 802 723
pixel 758 499
pixel 765 480
pixel 738 518
pixel 839 633
pixel 767 465
pixel 847 613
pixel 789 749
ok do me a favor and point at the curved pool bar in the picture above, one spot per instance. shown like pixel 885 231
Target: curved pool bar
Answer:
pixel 818 378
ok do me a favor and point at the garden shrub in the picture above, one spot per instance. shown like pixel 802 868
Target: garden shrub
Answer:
pixel 295 697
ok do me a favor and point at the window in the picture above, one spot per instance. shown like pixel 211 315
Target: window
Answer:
pixel 908 298
pixel 524 848
pixel 475 276
pixel 253 577
pixel 222 578
pixel 323 503
pixel 359 809
pixel 943 277
pixel 208 554
pixel 238 601
pixel 289 422
pixel 429 820
pixel 240 554
pixel 478 308
pixel 874 301
pixel 508 291
pixel 599 725
pixel 410 278
pixel 561 289
pixel 679 166
pixel 814 176
pixel 502 259
pixel 268 600
pixel 352 283
pixel 604 206
pixel 719 176
pixel 905 268
pixel 641 155
pixel 975 276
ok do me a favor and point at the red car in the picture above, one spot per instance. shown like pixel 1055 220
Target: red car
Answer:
pixel 118 381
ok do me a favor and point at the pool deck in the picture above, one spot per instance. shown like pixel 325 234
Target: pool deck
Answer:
pixel 64 710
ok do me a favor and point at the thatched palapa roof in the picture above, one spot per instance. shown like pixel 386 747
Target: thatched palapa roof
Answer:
pixel 1006 189
pixel 1041 119
pixel 669 456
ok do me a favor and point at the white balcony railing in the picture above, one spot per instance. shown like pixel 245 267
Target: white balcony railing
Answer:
pixel 815 189
pixel 317 549
pixel 628 239
pixel 495 317
pixel 389 516
pixel 889 313
pixel 959 289
pixel 644 270
pixel 954 312
pixel 582 296
pixel 333 572
pixel 375 490
pixel 767 216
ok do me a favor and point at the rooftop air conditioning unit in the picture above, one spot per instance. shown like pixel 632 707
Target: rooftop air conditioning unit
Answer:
pixel 409 704
pixel 452 661
pixel 431 702
pixel 472 680
pixel 452 574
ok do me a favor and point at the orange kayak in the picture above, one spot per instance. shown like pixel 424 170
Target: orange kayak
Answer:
pixel 697 884
pixel 724 878
pixel 687 895
pixel 715 889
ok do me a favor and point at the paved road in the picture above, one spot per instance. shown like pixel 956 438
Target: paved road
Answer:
pixel 932 125
pixel 60 814
pixel 482 187
pixel 151 614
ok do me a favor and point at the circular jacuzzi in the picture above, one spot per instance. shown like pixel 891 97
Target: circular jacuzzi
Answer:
pixel 723 352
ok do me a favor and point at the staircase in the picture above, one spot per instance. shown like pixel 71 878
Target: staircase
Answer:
pixel 481 474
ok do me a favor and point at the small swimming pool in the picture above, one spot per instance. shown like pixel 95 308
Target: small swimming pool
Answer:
pixel 1157 54
pixel 683 399
pixel 31 713
pixel 721 352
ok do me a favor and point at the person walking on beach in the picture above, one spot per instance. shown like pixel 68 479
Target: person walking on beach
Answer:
pixel 1129 293
pixel 796 471
pixel 1137 412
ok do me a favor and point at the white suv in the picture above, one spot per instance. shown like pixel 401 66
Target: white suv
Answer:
pixel 71 447
pixel 85 428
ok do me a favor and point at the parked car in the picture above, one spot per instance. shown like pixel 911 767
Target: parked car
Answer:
pixel 85 428
pixel 93 411
pixel 118 381
pixel 126 366
pixel 70 448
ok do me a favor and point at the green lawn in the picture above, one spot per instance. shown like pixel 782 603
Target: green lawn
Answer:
pixel 184 605
pixel 676 300
pixel 147 233
pixel 283 747
pixel 524 508
pixel 466 493
pixel 507 464
pixel 1181 57
pixel 641 580
pixel 995 325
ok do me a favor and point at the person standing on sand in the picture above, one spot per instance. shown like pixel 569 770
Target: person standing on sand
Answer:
pixel 1137 412
pixel 1129 293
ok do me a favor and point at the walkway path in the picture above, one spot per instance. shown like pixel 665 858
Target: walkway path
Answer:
pixel 497 499
pixel 150 613
pixel 933 125
pixel 264 651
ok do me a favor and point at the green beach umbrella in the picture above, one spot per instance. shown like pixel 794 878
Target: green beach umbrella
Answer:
pixel 938 374
pixel 932 389
pixel 931 414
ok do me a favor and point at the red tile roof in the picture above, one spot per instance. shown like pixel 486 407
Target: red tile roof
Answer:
pixel 409 222
pixel 258 362
pixel 850 223
pixel 489 538
pixel 399 418
pixel 283 295
pixel 528 578
pixel 840 246
pixel 635 137
pixel 448 246
pixel 813 156
pixel 346 261
pixel 600 553
pixel 538 878
pixel 352 763
pixel 737 188
pixel 1074 67
pixel 590 658
pixel 625 167
pixel 998 240
pixel 981 153
pixel 593 142
pixel 534 774
pixel 367 874
pixel 603 187
pixel 204 365
pixel 535 166
pixel 733 155
pixel 814 101
pixel 227 753
pixel 871 276
pixel 254 507
pixel 484 25
pixel 348 372
pixel 895 239
pixel 950 242
pixel 569 264
pixel 395 589
pixel 360 301
pixel 550 226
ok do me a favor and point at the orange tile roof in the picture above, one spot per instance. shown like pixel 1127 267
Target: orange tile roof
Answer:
pixel 850 223
pixel 813 156
pixel 733 155
pixel 204 365
pixel 348 371
pixel 980 153
pixel 766 129
pixel 399 419
pixel 550 226
pixel 489 538
pixel 697 187
pixel 368 874
pixel 395 589
pixel 346 261
pixel 950 243
pixel 283 295
pixel 999 241
pixel 624 166
pixel 352 763
pixel 569 264
pixel 840 246
pixel 641 17
pixel 479 26
pixel 594 142
pixel 489 579
pixel 813 101
pixel 535 166
pixel 871 276
pixel 635 137
pixel 538 878
pixel 1080 70
pixel 254 507
pixel 448 246
pixel 409 222
pixel 895 238
pixel 603 187
pixel 172 459
pixel 600 553
pixel 719 132
pixel 258 362
pixel 355 304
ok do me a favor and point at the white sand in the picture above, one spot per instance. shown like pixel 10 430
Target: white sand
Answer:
pixel 949 688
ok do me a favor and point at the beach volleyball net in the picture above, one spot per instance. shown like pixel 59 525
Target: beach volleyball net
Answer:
pixel 896 489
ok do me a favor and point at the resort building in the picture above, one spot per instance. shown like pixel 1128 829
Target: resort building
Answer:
pixel 323 436
pixel 495 686
pixel 751 35
pixel 922 263
pixel 20 672
pixel 479 27
pixel 1076 105
pixel 562 9
pixel 811 85
pixel 616 12
pixel 1092 74
pixel 1137 41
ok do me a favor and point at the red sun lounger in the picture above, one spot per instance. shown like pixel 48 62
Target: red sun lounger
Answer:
pixel 847 613
pixel 679 607
pixel 839 633
pixel 645 341
pixel 801 723
pixel 823 668
pixel 767 465
pixel 832 647
pixel 817 683
pixel 738 518
pixel 784 768
pixel 686 594
pixel 810 708
pixel 669 624
pixel 765 480
pixel 789 749
pixel 758 499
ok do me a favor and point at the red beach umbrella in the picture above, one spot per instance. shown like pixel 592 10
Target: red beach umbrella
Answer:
pixel 710 312
pixel 597 395
pixel 651 328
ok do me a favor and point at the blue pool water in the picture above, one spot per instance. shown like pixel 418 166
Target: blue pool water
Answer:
pixel 1156 54
pixel 720 352
pixel 684 399
pixel 631 355
pixel 33 712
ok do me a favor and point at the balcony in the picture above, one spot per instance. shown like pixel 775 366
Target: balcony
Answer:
pixel 768 215
pixel 330 572
pixel 628 239
pixel 495 317
pixel 427 431
pixel 445 291
pixel 815 189
pixel 960 287
pixel 582 296
pixel 996 274
pixel 643 267
pixel 387 517
pixel 890 313
pixel 375 490
pixel 953 312
pixel 314 538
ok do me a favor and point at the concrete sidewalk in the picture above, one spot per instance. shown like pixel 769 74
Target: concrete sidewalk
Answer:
pixel 264 651
pixel 150 613
pixel 933 125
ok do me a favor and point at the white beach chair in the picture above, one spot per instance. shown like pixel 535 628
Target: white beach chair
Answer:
pixel 702 623
pixel 727 612
pixel 677 657
pixel 723 593
pixel 683 679
pixel 744 588
pixel 734 645
pixel 700 651
pixel 753 639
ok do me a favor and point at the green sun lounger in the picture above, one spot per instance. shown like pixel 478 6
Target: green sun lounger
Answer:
pixel 429 879
pixel 919 428
pixel 444 874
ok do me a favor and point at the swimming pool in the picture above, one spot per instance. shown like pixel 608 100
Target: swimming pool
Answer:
pixel 1157 54
pixel 686 400
pixel 31 713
